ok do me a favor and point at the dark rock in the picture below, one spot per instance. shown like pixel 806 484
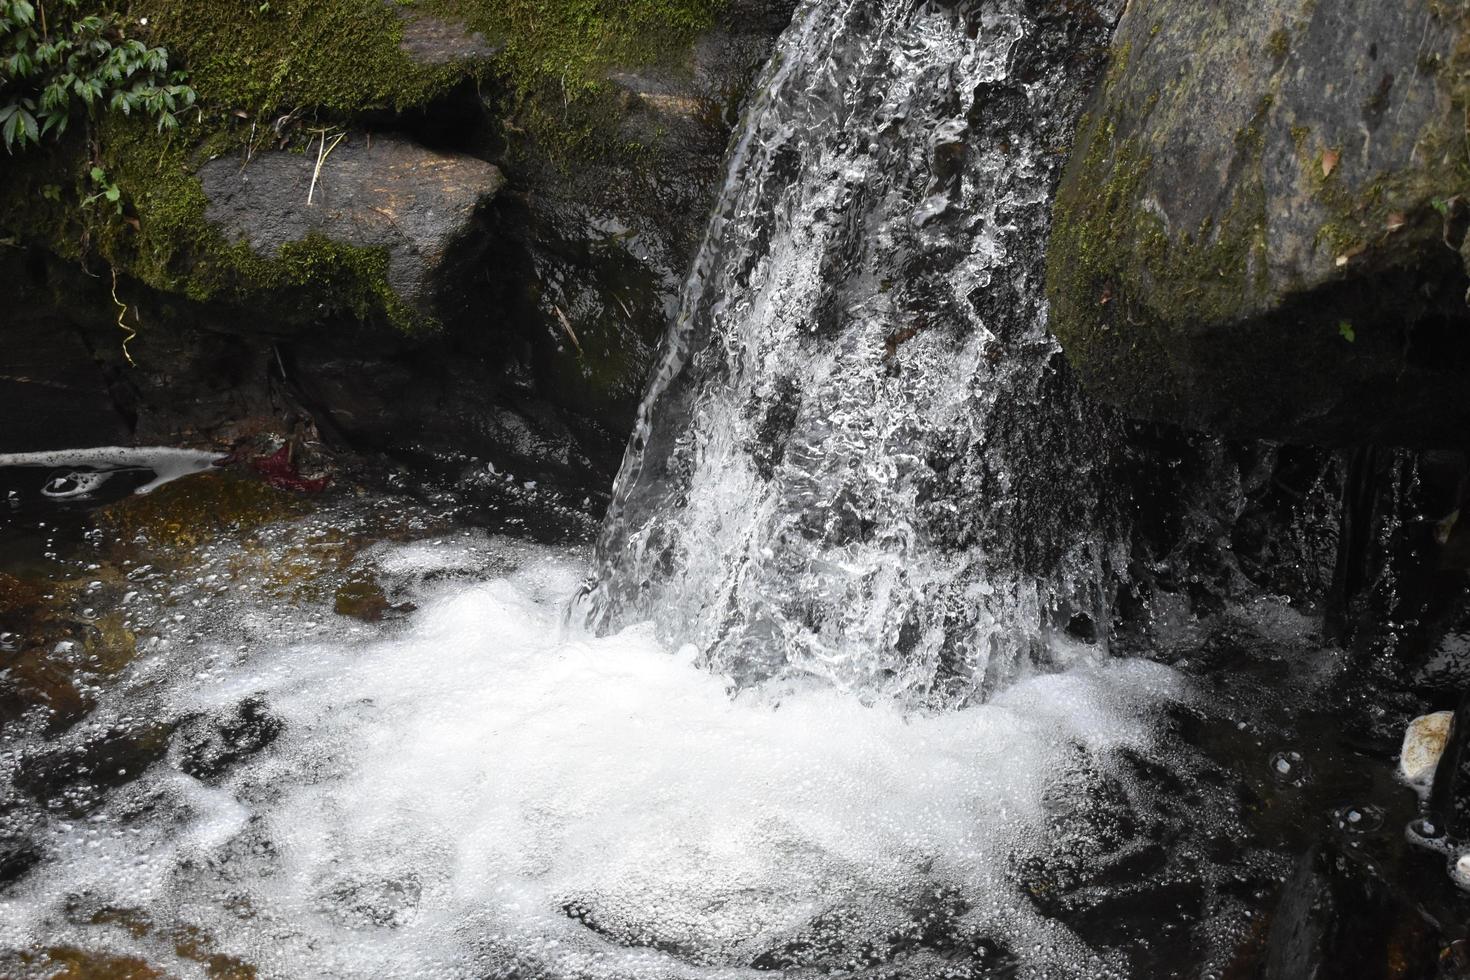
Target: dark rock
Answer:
pixel 17 857
pixel 53 393
pixel 1258 232
pixel 209 747
pixel 371 192
pixel 435 41
pixel 74 779
pixel 1337 920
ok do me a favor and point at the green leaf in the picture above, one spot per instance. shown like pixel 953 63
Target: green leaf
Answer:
pixel 10 129
pixel 80 60
pixel 1345 329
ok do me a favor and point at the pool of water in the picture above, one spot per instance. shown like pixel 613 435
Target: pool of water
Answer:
pixel 253 733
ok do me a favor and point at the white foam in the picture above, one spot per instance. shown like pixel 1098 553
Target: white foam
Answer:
pixel 445 790
pixel 166 464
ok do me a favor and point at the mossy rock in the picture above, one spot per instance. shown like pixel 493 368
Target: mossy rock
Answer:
pixel 274 78
pixel 1250 237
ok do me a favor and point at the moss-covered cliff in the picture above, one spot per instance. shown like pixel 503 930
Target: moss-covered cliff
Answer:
pixel 508 195
pixel 1251 234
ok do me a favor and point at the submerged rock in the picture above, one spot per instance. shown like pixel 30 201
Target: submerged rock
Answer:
pixel 1260 228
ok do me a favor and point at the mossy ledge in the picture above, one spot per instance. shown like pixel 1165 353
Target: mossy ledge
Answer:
pixel 275 75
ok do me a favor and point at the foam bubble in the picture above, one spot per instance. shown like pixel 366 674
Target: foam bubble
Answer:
pixel 166 464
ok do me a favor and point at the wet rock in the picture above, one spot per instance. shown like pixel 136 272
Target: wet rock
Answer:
pixel 72 963
pixel 382 903
pixel 1337 920
pixel 17 856
pixel 74 779
pixel 362 597
pixel 209 747
pixel 190 512
pixel 1424 743
pixel 1259 231
pixel 374 192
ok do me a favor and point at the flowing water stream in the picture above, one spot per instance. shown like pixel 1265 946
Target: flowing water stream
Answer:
pixel 832 697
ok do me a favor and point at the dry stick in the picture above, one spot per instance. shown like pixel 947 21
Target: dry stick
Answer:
pixel 322 152
pixel 567 326
pixel 122 309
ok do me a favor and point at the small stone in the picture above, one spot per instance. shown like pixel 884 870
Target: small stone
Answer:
pixel 1424 743
pixel 1460 871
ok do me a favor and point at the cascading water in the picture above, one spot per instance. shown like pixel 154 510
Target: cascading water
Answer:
pixel 858 461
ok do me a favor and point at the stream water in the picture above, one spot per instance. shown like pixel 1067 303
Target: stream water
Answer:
pixel 834 695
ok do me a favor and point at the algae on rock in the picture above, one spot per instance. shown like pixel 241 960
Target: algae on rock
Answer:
pixel 1250 178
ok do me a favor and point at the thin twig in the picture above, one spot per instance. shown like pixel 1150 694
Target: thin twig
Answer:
pixel 323 151
pixel 122 310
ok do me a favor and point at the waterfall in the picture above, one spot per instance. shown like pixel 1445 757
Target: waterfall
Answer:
pixel 351 740
pixel 860 459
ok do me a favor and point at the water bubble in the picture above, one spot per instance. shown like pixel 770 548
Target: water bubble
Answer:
pixel 1289 768
pixel 1354 819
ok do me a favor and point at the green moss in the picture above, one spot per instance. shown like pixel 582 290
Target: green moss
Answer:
pixel 339 56
pixel 573 43
pixel 1119 64
pixel 263 71
pixel 1278 45
pixel 556 56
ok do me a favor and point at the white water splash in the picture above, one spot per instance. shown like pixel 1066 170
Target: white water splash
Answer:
pixel 475 794
pixel 858 461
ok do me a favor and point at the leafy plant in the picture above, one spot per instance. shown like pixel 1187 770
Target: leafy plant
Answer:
pixel 57 63
pixel 106 190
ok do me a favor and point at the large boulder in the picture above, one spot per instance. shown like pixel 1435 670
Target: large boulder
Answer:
pixel 1260 229
pixel 420 206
